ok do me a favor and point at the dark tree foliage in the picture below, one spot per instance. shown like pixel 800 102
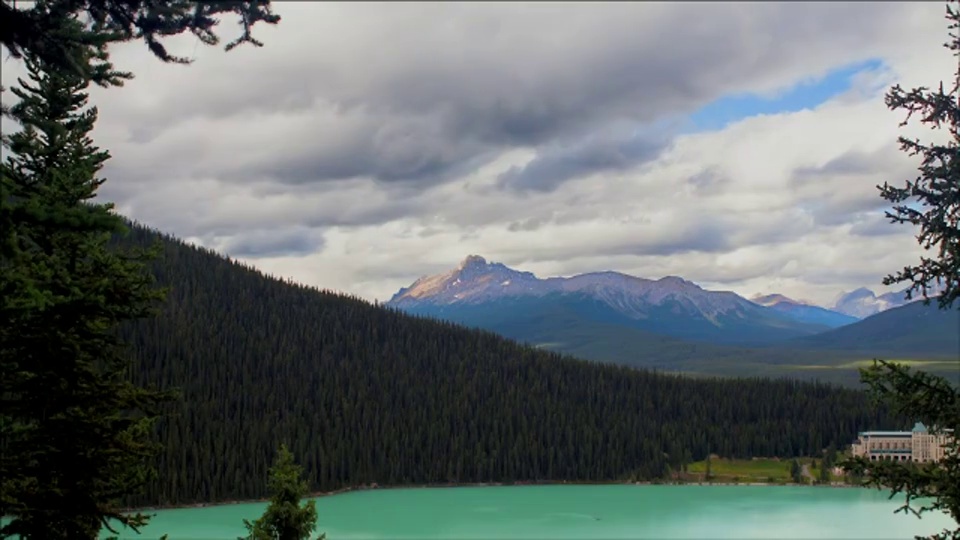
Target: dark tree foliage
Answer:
pixel 32 29
pixel 284 518
pixel 75 431
pixel 932 200
pixel 828 463
pixel 364 394
pixel 796 471
pixel 932 400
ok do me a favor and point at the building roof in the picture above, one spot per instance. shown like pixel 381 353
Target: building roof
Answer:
pixel 887 433
pixel 919 428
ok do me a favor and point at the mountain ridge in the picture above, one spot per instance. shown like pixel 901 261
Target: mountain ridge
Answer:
pixel 670 305
pixel 670 323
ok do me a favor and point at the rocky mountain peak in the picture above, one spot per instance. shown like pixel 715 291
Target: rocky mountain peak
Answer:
pixel 472 261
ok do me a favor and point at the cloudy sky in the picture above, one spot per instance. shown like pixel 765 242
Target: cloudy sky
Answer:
pixel 366 145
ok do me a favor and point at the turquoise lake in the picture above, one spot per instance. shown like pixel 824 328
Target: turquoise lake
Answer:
pixel 587 512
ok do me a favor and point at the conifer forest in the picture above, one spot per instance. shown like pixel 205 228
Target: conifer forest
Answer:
pixel 362 394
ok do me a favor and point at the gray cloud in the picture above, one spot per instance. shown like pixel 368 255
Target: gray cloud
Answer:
pixel 531 224
pixel 869 278
pixel 219 209
pixel 296 242
pixel 877 225
pixel 556 164
pixel 832 192
pixel 708 182
pixel 389 149
pixel 707 235
pixel 379 93
pixel 849 164
pixel 838 211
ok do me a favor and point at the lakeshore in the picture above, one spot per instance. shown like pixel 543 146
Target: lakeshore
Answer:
pixel 453 485
pixel 725 472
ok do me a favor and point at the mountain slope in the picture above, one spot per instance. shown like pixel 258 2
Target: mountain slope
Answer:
pixel 804 312
pixel 363 394
pixel 913 329
pixel 670 306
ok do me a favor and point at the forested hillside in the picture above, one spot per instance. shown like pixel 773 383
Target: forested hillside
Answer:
pixel 905 330
pixel 365 394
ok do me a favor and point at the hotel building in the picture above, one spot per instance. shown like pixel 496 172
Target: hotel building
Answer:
pixel 916 445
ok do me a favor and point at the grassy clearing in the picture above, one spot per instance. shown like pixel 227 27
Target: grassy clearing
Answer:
pixel 744 470
pixel 856 364
pixel 760 470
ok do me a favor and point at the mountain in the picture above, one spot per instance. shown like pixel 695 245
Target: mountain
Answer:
pixel 804 311
pixel 364 394
pixel 664 324
pixel 863 302
pixel 911 330
pixel 479 293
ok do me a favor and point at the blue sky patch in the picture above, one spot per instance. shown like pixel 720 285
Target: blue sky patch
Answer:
pixel 806 95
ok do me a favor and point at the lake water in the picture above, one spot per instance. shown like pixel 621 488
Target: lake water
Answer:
pixel 587 512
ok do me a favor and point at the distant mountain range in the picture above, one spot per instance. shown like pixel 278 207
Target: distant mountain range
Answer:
pixel 804 311
pixel 479 293
pixel 671 322
pixel 863 302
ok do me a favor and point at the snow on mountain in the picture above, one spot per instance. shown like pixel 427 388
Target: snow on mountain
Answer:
pixel 474 280
pixel 599 305
pixel 477 281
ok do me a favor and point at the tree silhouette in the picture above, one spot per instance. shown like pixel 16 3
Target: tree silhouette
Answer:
pixel 75 430
pixel 33 30
pixel 933 400
pixel 932 200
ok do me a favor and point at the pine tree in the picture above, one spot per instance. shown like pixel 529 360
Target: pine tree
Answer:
pixel 930 399
pixel 824 476
pixel 75 431
pixel 796 472
pixel 284 518
pixel 827 464
pixel 31 29
pixel 932 200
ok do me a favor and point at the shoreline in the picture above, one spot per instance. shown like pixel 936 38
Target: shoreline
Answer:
pixel 375 486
